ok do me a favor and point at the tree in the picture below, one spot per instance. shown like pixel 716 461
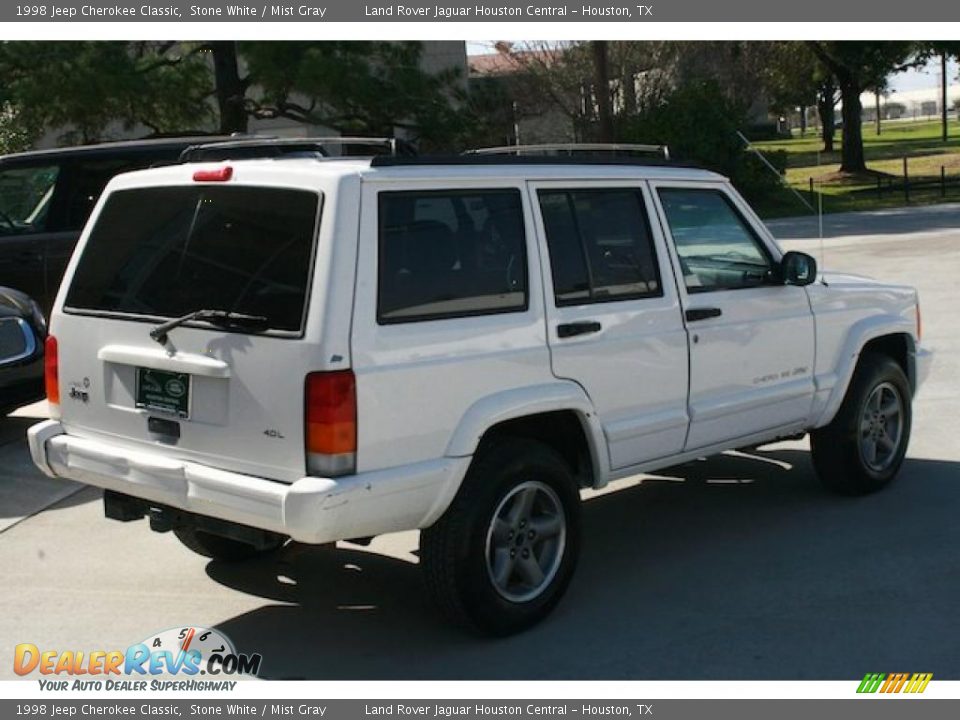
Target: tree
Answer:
pixel 601 90
pixel 85 87
pixel 859 66
pixel 945 49
pixel 564 77
pixel 365 88
pixel 793 76
pixel 230 88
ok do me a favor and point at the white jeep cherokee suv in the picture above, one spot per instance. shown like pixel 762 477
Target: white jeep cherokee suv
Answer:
pixel 252 350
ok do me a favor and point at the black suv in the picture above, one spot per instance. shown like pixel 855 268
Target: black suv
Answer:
pixel 46 196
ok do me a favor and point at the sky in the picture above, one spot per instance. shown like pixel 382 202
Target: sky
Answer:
pixel 924 78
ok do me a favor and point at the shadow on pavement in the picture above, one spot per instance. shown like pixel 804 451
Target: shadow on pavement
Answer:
pixel 737 567
pixel 892 221
pixel 24 490
pixel 14 429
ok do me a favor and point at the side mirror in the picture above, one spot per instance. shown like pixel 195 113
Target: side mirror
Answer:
pixel 17 340
pixel 797 268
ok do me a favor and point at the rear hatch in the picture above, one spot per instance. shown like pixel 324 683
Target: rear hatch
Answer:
pixel 225 388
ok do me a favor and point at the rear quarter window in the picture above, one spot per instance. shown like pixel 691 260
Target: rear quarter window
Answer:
pixel 168 251
pixel 447 254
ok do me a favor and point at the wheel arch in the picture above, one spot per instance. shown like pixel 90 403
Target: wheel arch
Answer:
pixel 559 414
pixel 891 335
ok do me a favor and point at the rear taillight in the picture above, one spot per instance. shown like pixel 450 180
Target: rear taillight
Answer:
pixel 331 423
pixel 51 370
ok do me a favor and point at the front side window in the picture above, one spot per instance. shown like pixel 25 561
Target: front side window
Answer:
pixel 450 254
pixel 169 251
pixel 717 248
pixel 600 245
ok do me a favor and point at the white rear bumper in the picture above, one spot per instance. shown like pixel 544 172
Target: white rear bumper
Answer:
pixel 310 510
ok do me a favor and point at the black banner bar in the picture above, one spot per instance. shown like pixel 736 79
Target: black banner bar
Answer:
pixel 477 11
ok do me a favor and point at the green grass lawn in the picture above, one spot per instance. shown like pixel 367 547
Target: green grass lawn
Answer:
pixel 919 142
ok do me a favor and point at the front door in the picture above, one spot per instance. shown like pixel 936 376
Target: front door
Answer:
pixel 751 337
pixel 613 316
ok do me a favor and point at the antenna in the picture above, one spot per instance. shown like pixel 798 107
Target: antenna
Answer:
pixel 772 169
pixel 823 254
pixel 818 210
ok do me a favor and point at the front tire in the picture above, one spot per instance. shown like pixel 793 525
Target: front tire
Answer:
pixel 862 449
pixel 502 555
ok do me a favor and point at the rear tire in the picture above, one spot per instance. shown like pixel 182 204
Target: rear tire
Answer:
pixel 501 557
pixel 218 547
pixel 862 449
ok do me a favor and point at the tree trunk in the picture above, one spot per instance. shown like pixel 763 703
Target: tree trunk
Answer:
pixel 876 98
pixel 827 111
pixel 629 84
pixel 230 90
pixel 803 121
pixel 601 88
pixel 851 157
pixel 943 94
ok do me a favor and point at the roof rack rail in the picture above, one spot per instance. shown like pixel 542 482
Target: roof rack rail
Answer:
pixel 475 159
pixel 265 146
pixel 573 148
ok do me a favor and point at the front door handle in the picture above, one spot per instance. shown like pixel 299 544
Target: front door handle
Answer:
pixel 584 327
pixel 702 313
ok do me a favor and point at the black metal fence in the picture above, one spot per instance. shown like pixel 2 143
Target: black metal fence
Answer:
pixel 907 186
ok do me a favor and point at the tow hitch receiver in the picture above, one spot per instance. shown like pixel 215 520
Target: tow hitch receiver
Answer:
pixel 125 508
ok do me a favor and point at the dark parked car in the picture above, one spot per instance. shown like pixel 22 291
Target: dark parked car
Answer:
pixel 46 196
pixel 23 331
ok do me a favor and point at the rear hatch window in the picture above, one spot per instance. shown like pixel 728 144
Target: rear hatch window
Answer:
pixel 165 252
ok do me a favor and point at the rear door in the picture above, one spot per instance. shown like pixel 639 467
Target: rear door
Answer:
pixel 613 315
pixel 751 337
pixel 226 395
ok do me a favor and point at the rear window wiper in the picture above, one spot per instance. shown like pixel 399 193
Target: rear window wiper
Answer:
pixel 221 318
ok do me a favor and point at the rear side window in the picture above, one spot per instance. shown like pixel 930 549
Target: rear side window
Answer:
pixel 450 254
pixel 600 245
pixel 85 183
pixel 168 251
pixel 25 198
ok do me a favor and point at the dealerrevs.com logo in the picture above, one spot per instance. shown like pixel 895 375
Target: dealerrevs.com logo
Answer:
pixel 911 683
pixel 179 652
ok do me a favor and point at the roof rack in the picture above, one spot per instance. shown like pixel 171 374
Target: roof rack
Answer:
pixel 381 161
pixel 572 149
pixel 264 146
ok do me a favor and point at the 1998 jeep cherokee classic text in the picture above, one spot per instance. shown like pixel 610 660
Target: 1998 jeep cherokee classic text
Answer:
pixel 252 350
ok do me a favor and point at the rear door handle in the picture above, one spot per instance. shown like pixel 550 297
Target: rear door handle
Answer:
pixel 702 313
pixel 585 327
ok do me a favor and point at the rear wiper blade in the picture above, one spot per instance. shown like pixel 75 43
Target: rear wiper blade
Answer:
pixel 223 318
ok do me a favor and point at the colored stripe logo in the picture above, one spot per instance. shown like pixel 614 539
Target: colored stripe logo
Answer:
pixel 894 683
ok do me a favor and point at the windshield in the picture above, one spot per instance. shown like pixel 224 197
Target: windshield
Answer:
pixel 169 251
pixel 25 194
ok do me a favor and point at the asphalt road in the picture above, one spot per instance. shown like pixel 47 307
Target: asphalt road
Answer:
pixel 737 567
